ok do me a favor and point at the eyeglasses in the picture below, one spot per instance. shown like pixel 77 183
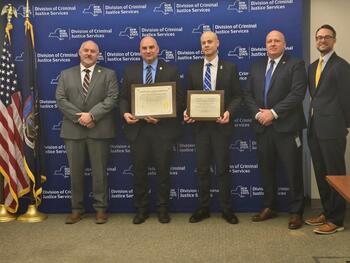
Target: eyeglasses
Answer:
pixel 327 37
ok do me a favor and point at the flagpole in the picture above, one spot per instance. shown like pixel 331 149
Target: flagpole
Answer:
pixel 33 215
pixel 5 216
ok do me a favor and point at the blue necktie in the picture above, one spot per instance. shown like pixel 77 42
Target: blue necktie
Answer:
pixel 207 78
pixel 149 79
pixel 268 80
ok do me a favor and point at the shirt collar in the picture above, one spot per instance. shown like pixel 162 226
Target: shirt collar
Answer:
pixel 82 68
pixel 153 65
pixel 327 57
pixel 214 62
pixel 277 60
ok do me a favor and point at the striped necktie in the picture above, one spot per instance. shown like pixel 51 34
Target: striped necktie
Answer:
pixel 149 78
pixel 86 82
pixel 318 72
pixel 268 77
pixel 207 78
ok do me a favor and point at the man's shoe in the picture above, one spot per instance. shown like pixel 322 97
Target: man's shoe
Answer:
pixel 295 221
pixel 328 228
pixel 199 215
pixel 316 220
pixel 163 216
pixel 140 217
pixel 101 217
pixel 73 218
pixel 230 217
pixel 265 214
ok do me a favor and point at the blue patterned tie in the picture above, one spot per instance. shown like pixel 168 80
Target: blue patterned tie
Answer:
pixel 268 80
pixel 207 78
pixel 149 79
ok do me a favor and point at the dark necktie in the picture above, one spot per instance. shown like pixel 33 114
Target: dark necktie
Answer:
pixel 86 82
pixel 207 78
pixel 149 78
pixel 268 81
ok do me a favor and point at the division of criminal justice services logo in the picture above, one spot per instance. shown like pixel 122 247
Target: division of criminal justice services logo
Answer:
pixel 63 171
pixel 164 8
pixel 57 126
pixel 241 145
pixel 128 171
pixel 166 55
pixel 129 32
pixel 54 81
pixel 19 58
pixel 59 33
pixel 21 11
pixel 94 10
pixel 201 28
pixel 241 191
pixel 238 6
pixel 239 52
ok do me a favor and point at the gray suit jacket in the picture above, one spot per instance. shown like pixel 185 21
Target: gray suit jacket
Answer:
pixel 100 102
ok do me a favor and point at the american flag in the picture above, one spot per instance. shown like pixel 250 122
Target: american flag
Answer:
pixel 11 132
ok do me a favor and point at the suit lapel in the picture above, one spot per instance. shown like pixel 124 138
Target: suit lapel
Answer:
pixel 95 76
pixel 278 69
pixel 220 75
pixel 324 72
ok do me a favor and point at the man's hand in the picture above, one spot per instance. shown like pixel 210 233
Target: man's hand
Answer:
pixel 84 118
pixel 224 119
pixel 265 117
pixel 129 118
pixel 151 120
pixel 187 119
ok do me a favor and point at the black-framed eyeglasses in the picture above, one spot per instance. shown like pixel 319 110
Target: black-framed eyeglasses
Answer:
pixel 327 37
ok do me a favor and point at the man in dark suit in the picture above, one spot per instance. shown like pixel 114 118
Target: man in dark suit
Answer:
pixel 212 138
pixel 150 138
pixel 329 118
pixel 274 94
pixel 86 95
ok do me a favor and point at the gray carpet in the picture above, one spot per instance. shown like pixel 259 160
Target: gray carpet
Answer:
pixel 212 240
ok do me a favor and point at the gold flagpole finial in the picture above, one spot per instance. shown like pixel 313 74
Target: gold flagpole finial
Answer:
pixel 10 10
pixel 27 10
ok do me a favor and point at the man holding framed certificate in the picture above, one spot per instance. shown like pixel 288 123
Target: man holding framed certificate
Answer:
pixel 150 96
pixel 213 98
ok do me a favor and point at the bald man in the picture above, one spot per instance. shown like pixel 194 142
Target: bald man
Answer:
pixel 212 138
pixel 86 95
pixel 274 94
pixel 151 139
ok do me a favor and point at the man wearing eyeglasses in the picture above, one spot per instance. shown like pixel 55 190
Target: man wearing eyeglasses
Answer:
pixel 329 118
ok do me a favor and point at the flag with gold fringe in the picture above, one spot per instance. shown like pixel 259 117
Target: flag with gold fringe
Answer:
pixel 31 120
pixel 11 125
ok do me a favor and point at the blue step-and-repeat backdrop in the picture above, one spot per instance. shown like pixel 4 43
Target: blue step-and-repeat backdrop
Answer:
pixel 118 26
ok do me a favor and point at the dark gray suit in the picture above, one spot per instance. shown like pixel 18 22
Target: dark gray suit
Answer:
pixel 79 140
pixel 151 142
pixel 327 130
pixel 212 139
pixel 279 140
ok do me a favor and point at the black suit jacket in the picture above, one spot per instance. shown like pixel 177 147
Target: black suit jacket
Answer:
pixel 331 99
pixel 227 79
pixel 169 128
pixel 285 96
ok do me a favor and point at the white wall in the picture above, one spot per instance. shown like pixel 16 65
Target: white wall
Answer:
pixel 335 13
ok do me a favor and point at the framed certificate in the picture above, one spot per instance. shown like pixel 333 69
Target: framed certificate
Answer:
pixel 157 100
pixel 205 105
